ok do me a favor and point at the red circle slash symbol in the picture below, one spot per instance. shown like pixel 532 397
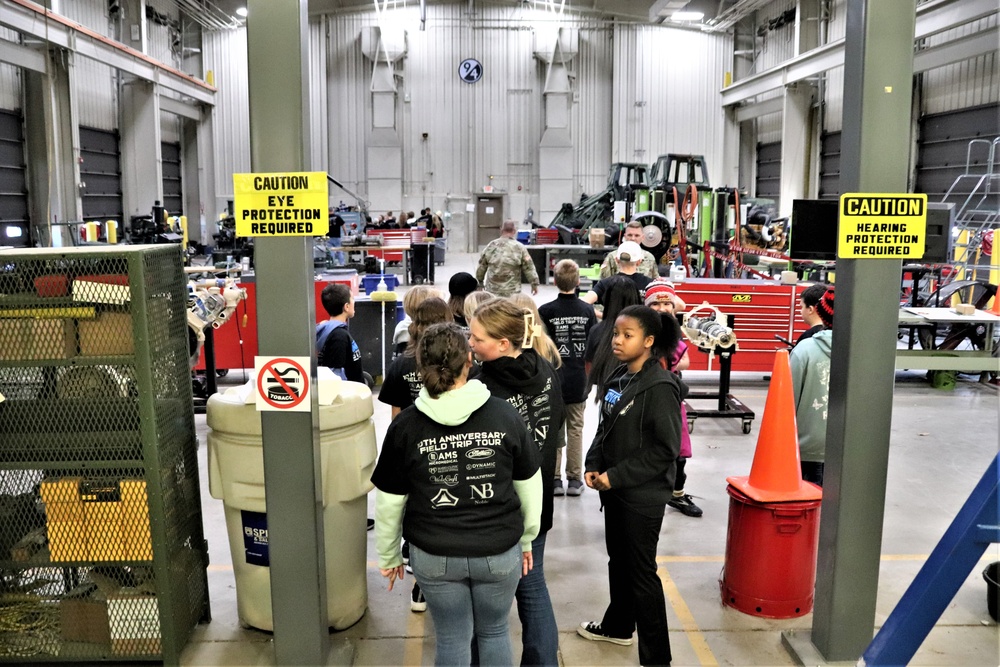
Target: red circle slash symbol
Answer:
pixel 282 383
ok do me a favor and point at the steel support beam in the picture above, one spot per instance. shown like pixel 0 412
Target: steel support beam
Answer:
pixel 278 67
pixel 878 93
pixel 36 22
pixel 180 108
pixel 22 56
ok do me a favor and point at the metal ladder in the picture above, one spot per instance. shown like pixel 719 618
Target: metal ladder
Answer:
pixel 977 213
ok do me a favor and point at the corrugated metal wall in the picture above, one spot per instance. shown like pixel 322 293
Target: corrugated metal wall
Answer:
pixel 665 99
pixel 225 55
pixel 491 128
pixel 10 77
pixel 10 87
pixel 777 45
pixel 96 94
pixel 963 85
pixel 592 110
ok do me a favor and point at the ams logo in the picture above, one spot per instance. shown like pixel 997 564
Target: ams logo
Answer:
pixel 741 298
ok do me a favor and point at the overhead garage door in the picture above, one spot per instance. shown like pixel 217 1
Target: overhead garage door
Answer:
pixel 768 184
pixel 14 224
pixel 944 143
pixel 170 159
pixel 829 165
pixel 100 170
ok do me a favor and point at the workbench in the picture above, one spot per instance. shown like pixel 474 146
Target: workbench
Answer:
pixel 542 255
pixel 962 360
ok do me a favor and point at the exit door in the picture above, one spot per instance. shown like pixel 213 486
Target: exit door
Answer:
pixel 489 216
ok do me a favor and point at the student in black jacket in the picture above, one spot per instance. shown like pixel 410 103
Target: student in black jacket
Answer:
pixel 569 319
pixel 631 462
pixel 458 477
pixel 501 339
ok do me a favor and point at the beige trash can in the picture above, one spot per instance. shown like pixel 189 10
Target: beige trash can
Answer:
pixel 236 476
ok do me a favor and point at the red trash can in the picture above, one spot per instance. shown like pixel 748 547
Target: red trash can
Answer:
pixel 770 567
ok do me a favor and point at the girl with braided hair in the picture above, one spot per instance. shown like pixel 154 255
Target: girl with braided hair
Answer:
pixel 458 476
pixel 502 335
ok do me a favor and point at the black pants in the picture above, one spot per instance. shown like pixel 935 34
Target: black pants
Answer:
pixel 636 590
pixel 812 471
pixel 680 477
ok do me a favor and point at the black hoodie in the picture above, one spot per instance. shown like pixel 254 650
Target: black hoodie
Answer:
pixel 531 385
pixel 639 439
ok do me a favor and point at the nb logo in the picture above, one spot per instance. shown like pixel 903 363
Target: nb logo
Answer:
pixel 483 491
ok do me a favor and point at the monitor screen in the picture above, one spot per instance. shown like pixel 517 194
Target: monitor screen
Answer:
pixel 814 230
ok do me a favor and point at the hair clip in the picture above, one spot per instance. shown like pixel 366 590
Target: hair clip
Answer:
pixel 531 330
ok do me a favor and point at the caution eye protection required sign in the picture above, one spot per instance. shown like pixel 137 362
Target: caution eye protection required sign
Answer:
pixel 882 226
pixel 293 204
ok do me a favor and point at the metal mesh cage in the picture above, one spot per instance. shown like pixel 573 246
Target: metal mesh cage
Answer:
pixel 102 554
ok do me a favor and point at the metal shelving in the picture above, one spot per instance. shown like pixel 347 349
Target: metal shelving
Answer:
pixel 102 552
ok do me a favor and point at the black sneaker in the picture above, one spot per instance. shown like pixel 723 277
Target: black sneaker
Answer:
pixel 595 633
pixel 685 505
pixel 557 488
pixel 417 601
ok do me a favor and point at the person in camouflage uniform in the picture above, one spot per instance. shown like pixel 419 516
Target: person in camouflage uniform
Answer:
pixel 503 264
pixel 647 266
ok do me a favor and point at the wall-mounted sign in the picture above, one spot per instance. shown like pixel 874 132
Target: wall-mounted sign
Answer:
pixel 470 71
pixel 293 204
pixel 882 226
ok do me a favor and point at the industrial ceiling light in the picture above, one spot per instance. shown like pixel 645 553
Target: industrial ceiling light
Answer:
pixel 241 12
pixel 696 10
pixel 684 15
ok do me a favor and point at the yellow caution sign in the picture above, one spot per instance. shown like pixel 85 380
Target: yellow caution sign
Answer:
pixel 293 204
pixel 882 226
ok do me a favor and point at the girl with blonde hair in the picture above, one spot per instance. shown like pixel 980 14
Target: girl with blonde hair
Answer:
pixel 541 343
pixel 502 337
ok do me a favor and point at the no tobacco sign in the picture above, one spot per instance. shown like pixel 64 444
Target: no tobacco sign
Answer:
pixel 282 384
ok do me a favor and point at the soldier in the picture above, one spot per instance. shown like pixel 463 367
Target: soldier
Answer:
pixel 504 263
pixel 647 266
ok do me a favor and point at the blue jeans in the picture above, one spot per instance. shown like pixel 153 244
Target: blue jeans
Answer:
pixel 338 256
pixel 539 634
pixel 466 597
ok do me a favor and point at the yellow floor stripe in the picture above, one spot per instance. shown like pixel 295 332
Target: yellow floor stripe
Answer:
pixel 413 645
pixel 694 635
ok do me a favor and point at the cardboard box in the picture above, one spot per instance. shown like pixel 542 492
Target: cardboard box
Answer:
pixel 135 624
pixel 83 617
pixel 66 523
pixel 109 334
pixel 597 237
pixel 135 520
pixel 102 509
pixel 30 339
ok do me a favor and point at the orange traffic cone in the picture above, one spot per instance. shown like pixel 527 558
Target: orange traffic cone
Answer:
pixel 995 308
pixel 776 475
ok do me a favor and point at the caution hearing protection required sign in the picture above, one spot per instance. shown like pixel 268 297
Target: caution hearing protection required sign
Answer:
pixel 295 204
pixel 882 226
pixel 282 384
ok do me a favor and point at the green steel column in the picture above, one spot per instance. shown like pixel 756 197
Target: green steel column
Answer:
pixel 878 86
pixel 277 43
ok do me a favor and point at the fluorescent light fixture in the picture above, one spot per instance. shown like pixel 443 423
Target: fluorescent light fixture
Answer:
pixel 12 231
pixel 687 16
pixel 241 11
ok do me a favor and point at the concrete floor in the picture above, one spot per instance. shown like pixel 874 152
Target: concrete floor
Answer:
pixel 941 443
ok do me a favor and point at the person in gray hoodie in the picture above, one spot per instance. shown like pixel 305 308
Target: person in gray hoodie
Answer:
pixel 810 363
pixel 462 465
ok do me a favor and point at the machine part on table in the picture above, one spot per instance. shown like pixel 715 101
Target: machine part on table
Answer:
pixel 211 302
pixel 709 331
